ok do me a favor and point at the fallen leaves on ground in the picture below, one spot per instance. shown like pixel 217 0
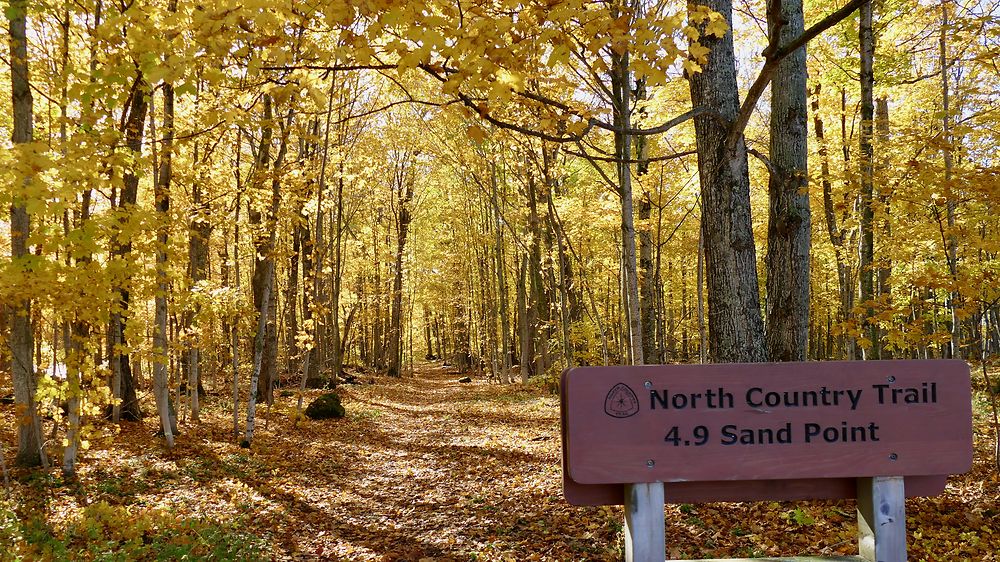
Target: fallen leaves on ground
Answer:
pixel 426 469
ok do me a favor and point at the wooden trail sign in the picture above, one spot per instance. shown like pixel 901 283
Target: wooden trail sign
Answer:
pixel 764 431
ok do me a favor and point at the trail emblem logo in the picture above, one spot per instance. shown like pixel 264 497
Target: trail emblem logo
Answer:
pixel 621 402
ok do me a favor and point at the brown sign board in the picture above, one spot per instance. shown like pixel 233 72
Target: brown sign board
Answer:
pixel 764 431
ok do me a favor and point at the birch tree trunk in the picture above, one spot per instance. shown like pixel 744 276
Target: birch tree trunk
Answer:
pixel 264 279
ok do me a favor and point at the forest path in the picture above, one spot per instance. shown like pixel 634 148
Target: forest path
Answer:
pixel 427 467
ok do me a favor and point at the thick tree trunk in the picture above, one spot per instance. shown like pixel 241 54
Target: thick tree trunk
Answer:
pixel 736 329
pixel 789 222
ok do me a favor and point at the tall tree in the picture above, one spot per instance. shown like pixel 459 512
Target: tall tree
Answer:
pixel 866 264
pixel 123 382
pixel 161 195
pixel 29 444
pixel 404 176
pixel 789 222
pixel 735 326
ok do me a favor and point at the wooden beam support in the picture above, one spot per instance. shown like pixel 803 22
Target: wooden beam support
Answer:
pixel 882 519
pixel 645 539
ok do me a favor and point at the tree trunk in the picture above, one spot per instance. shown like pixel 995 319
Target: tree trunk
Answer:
pixel 130 189
pixel 198 243
pixel 867 251
pixel 501 275
pixel 524 322
pixel 789 223
pixel 404 188
pixel 836 233
pixel 292 295
pixel 29 451
pixel 736 329
pixel 621 86
pixel 338 269
pixel 537 305
pixel 263 280
pixel 648 294
pixel 264 243
pixel 884 281
pixel 161 195
pixel 258 350
pixel 951 243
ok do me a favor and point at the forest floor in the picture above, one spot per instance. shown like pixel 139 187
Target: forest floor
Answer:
pixel 421 469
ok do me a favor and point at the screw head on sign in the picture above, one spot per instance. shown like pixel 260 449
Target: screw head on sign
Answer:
pixel 893 456
pixel 891 378
pixel 650 463
pixel 647 384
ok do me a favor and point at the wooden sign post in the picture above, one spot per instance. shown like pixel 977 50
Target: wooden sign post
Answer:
pixel 873 430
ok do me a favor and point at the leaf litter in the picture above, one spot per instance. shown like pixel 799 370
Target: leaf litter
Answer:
pixel 425 469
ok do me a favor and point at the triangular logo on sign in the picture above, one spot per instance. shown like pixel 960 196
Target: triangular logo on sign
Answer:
pixel 621 402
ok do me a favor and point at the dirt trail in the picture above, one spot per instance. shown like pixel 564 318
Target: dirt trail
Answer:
pixel 427 467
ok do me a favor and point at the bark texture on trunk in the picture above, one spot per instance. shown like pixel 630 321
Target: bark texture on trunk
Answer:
pixel 647 288
pixel 161 392
pixel 835 228
pixel 134 130
pixel 789 221
pixel 735 325
pixel 21 338
pixel 264 262
pixel 867 250
pixel 198 241
pixel 950 240
pixel 404 186
pixel 621 86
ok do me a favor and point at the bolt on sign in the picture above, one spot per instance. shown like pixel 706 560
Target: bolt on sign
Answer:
pixel 808 424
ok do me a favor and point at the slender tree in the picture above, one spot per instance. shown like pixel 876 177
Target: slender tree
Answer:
pixel 29 450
